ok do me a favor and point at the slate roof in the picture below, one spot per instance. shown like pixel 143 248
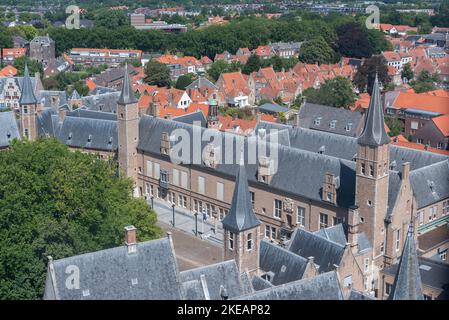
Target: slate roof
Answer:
pixel 201 82
pixel 374 133
pixel 46 96
pixel 127 93
pixel 433 274
pixel 407 282
pixel 108 274
pixel 273 108
pixel 214 276
pixel 106 102
pixel 260 283
pixel 27 90
pixel 241 215
pixel 9 129
pixel 326 253
pixel 283 264
pixel 89 133
pixel 346 122
pixel 322 287
pixel 344 147
pixel 334 233
pixel 190 118
pixel 430 184
pixel 357 295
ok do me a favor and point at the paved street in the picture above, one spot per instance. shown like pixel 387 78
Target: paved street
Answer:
pixel 185 221
pixel 192 252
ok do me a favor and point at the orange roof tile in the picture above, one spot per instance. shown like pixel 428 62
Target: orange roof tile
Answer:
pixel 417 146
pixel 422 101
pixel 442 123
pixel 90 84
pixel 8 71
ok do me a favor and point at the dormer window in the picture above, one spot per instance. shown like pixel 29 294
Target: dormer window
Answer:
pixel 8 135
pixel 348 127
pixel 110 141
pixel 89 139
pixel 332 124
pixel 317 121
pixel 70 136
pixel 322 150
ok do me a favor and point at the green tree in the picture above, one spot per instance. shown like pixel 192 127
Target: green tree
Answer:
pixel 353 41
pixel 33 66
pixel 253 64
pixel 364 78
pixel 110 19
pixel 316 51
pixel 217 68
pixel 425 82
pixel 337 92
pixel 407 72
pixel 59 203
pixel 157 73
pixel 395 125
pixel 184 80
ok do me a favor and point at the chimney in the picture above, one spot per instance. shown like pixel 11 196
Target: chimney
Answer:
pixel 353 227
pixel 130 238
pixel 61 114
pixel 405 170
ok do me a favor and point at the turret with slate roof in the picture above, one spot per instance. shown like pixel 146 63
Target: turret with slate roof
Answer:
pixel 28 108
pixel 128 131
pixel 241 226
pixel 407 284
pixel 372 174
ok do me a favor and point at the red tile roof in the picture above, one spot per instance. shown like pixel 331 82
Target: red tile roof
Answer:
pixel 442 123
pixel 417 146
pixel 422 101
pixel 8 71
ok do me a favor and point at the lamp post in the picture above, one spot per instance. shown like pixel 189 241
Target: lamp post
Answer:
pixel 196 224
pixel 173 209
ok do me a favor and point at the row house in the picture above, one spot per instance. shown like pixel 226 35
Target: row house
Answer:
pixel 241 56
pixel 11 90
pixel 110 57
pixel 9 55
pixel 424 116
pixel 181 65
pixel 235 89
pixel 397 30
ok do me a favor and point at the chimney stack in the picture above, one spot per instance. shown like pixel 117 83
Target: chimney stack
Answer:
pixel 405 170
pixel 353 227
pixel 131 239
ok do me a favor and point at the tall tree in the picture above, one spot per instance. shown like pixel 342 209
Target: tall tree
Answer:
pixel 33 66
pixel 253 64
pixel 364 78
pixel 353 41
pixel 316 51
pixel 407 72
pixel 157 73
pixel 59 203
pixel 337 92
pixel 183 81
pixel 217 68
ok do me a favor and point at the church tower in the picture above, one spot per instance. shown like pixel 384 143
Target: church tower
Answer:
pixel 212 116
pixel 128 131
pixel 241 227
pixel 372 174
pixel 28 108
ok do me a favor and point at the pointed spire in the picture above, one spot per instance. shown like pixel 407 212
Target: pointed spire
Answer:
pixel 374 133
pixel 407 284
pixel 127 95
pixel 241 217
pixel 27 96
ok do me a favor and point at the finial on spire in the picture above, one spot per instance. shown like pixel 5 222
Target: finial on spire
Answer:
pixel 127 95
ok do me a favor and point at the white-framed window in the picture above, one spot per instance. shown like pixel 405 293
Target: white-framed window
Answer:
pixel 267 231
pixel 431 213
pixel 366 264
pixel 273 233
pixel 414 125
pixel 253 198
pixel 157 171
pixel 149 168
pixel 201 185
pixel 220 191
pixel 398 239
pixel 277 208
pixel 184 179
pixel 332 124
pixel 231 241
pixel 347 281
pixel 249 242
pixel 443 255
pixel 421 218
pixel 176 177
pixel 301 216
pixel 445 207
pixel 323 220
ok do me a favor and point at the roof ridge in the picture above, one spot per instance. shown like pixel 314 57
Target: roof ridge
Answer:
pixel 431 165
